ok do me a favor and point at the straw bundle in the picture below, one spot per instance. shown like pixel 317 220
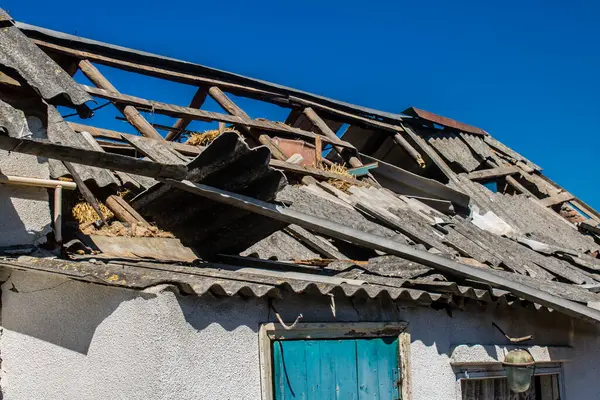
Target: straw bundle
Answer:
pixel 341 170
pixel 205 138
pixel 84 213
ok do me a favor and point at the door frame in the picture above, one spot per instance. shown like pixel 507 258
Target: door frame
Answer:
pixel 269 332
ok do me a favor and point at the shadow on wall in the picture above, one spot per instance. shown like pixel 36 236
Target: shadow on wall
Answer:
pixel 228 312
pixel 24 215
pixel 62 312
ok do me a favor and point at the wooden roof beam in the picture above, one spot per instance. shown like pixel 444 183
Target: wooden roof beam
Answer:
pixel 557 199
pixel 201 115
pixel 128 111
pixel 184 149
pixel 117 162
pixel 182 123
pixel 493 173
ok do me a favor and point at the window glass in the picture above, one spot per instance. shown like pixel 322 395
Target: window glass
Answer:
pixel 543 387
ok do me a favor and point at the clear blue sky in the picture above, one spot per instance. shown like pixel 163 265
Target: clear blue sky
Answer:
pixel 526 71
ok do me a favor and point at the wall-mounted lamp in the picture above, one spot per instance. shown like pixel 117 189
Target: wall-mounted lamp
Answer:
pixel 520 367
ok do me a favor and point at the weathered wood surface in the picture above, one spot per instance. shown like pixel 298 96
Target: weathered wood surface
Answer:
pixel 156 150
pixel 273 148
pixel 163 249
pixel 182 123
pixel 493 173
pixel 364 170
pixel 402 142
pixel 123 211
pixel 185 149
pixel 228 105
pixel 312 171
pixel 557 199
pixel 44 148
pixel 201 115
pixel 327 132
pixel 128 111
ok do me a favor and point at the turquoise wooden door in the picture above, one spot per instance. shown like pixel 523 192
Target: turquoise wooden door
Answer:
pixel 340 369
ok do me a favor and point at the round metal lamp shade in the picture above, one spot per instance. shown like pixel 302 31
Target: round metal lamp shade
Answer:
pixel 519 366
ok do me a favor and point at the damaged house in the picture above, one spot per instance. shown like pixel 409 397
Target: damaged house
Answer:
pixel 343 253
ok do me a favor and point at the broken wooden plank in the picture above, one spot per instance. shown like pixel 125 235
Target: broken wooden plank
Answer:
pixel 228 105
pixel 402 142
pixel 128 111
pixel 318 151
pixel 557 199
pixel 45 148
pixel 493 173
pixel 123 211
pixel 523 288
pixel 201 115
pixel 312 171
pixel 156 150
pixel 163 249
pixel 273 147
pixel 182 123
pixel 364 170
pixel 431 153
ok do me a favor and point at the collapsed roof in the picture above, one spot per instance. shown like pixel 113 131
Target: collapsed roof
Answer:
pixel 338 199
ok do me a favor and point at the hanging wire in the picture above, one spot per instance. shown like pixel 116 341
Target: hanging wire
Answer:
pixel 92 110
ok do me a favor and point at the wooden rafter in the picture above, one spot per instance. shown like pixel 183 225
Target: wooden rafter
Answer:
pixel 201 115
pixel 128 111
pixel 182 123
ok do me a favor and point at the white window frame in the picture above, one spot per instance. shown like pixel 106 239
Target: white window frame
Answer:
pixel 333 330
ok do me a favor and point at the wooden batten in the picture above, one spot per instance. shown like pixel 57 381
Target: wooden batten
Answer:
pixel 557 199
pixel 273 147
pixel 201 115
pixel 182 123
pixel 128 111
pixel 123 211
pixel 493 173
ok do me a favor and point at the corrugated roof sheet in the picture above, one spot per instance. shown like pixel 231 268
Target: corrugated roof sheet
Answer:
pixel 19 55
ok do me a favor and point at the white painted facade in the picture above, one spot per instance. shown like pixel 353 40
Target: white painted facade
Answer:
pixel 72 340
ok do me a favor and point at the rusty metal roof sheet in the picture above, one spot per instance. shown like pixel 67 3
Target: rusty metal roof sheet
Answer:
pixel 20 56
pixel 448 122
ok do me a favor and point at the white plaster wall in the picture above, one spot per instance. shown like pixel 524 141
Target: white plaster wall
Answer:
pixel 24 211
pixel 71 340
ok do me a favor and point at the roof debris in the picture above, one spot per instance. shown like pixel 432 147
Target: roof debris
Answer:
pixel 219 215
